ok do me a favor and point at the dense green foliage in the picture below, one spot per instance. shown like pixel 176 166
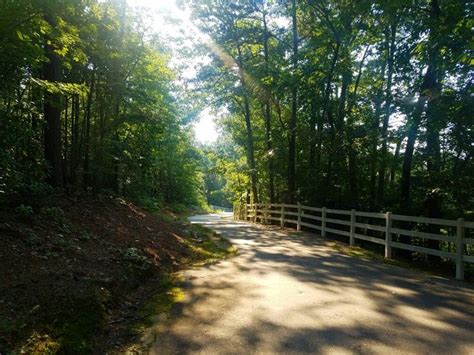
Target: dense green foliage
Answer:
pixel 87 102
pixel 352 104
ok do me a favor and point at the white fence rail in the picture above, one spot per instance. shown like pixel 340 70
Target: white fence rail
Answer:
pixel 379 228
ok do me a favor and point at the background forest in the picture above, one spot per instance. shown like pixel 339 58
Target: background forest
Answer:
pixel 363 104
pixel 88 103
pixel 349 104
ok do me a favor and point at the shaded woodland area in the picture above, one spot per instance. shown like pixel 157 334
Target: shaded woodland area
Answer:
pixel 346 104
pixel 88 104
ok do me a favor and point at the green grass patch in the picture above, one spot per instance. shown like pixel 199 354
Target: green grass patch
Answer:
pixel 365 254
pixel 207 246
pixel 159 306
pixel 356 252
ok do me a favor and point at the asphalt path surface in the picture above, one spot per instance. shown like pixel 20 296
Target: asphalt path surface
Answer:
pixel 291 292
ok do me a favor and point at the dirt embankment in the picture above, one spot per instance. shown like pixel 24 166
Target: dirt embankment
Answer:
pixel 75 272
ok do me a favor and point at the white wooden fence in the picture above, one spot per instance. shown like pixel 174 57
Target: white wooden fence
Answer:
pixel 377 228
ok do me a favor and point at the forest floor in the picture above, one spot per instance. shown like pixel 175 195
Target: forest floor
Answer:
pixel 75 272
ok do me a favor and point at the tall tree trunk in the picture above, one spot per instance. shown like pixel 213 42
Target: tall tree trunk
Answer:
pixel 248 125
pixel 390 49
pixel 268 123
pixel 115 160
pixel 395 161
pixel 52 115
pixel 327 96
pixel 250 149
pixel 428 89
pixel 74 139
pixel 374 143
pixel 433 201
pixel 348 128
pixel 36 102
pixel 87 135
pixel 99 156
pixel 344 136
pixel 271 168
pixel 65 142
pixel 294 108
pixel 413 127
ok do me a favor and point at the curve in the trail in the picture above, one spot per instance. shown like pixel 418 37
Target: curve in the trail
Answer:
pixel 290 292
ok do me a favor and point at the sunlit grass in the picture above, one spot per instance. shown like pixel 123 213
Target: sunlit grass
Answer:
pixel 206 247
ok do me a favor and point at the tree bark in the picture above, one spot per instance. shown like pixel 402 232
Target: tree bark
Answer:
pixel 268 124
pixel 52 115
pixel 395 161
pixel 375 140
pixel 327 95
pixel 433 200
pixel 390 48
pixel 248 125
pixel 87 138
pixel 74 139
pixel 293 116
pixel 429 89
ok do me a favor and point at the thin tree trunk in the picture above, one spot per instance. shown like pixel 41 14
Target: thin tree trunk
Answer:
pixel 413 126
pixel 115 161
pixel 267 113
pixel 395 160
pixel 375 132
pixel 293 118
pixel 390 48
pixel 66 146
pixel 433 201
pixel 74 139
pixel 87 138
pixel 52 115
pixel 248 125
pixel 428 89
pixel 327 95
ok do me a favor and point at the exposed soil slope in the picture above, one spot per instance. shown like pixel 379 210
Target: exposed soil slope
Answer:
pixel 73 270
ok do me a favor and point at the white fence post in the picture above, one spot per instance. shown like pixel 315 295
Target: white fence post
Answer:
pixel 298 224
pixel 323 222
pixel 282 217
pixel 459 249
pixel 255 209
pixel 352 231
pixel 388 234
pixel 246 213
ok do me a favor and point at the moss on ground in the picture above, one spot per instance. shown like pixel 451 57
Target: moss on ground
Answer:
pixel 207 246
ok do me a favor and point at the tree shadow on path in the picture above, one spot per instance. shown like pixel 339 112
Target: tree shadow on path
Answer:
pixel 290 292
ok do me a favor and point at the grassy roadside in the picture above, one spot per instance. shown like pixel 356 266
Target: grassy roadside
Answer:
pixel 366 254
pixel 207 248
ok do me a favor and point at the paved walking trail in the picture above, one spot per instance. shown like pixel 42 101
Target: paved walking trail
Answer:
pixel 290 292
